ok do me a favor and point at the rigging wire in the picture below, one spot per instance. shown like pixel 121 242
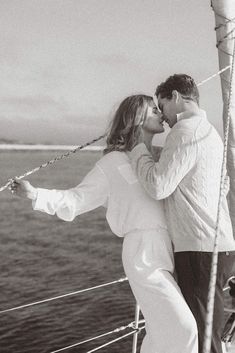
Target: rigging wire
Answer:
pixel 208 331
pixel 63 295
pixel 117 330
pixel 52 161
pixel 44 165
pixel 116 340
pixel 214 262
pixel 214 75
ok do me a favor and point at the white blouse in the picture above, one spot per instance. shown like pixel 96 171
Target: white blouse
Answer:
pixel 112 184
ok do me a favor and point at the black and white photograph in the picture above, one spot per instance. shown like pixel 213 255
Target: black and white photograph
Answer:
pixel 117 176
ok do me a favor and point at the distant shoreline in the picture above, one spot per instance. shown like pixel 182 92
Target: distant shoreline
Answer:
pixel 23 147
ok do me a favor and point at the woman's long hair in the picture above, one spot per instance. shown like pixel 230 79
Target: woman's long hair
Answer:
pixel 125 126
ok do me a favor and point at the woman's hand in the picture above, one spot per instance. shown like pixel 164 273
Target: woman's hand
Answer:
pixel 24 189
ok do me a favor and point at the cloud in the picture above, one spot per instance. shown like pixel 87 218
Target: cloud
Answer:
pixel 32 107
pixel 43 119
pixel 85 120
pixel 21 129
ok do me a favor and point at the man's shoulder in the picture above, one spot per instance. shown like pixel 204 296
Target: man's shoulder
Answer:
pixel 194 130
pixel 188 127
pixel 190 123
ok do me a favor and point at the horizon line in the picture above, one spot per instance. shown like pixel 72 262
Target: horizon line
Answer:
pixel 19 146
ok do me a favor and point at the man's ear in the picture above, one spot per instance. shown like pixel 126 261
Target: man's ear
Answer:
pixel 175 95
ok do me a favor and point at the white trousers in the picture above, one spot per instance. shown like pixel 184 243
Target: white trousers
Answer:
pixel 148 263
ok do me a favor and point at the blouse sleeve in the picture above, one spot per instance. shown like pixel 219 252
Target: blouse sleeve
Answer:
pixel 91 193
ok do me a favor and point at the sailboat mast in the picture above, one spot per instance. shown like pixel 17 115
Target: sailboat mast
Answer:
pixel 225 32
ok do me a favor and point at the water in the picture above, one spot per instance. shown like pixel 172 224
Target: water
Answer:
pixel 42 256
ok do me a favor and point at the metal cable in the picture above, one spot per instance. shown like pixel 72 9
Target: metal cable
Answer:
pixel 117 330
pixel 52 161
pixel 116 339
pixel 63 295
pixel 214 263
pixel 44 165
pixel 214 75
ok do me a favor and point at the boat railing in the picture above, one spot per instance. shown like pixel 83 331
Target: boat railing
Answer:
pixel 134 327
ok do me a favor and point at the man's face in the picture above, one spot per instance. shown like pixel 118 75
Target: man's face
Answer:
pixel 168 107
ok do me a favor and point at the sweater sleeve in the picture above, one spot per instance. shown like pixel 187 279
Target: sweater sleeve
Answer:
pixel 177 158
pixel 91 193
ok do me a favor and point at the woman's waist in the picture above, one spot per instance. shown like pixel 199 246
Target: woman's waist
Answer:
pixel 158 231
pixel 147 250
pixel 121 227
pixel 136 215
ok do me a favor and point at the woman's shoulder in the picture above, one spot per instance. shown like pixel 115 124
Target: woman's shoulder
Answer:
pixel 113 158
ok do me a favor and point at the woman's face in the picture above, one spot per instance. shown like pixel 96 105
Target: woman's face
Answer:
pixel 154 120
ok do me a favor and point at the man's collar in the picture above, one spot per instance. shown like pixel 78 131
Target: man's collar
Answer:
pixel 188 114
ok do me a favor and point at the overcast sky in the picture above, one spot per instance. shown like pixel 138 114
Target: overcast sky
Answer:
pixel 66 64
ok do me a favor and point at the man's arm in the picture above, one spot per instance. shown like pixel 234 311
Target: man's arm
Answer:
pixel 177 158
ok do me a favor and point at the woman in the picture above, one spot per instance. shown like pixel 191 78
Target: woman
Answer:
pixel 147 251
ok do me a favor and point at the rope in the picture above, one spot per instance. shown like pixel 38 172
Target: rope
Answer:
pixel 117 330
pixel 210 305
pixel 116 339
pixel 226 22
pixel 52 161
pixel 214 263
pixel 64 295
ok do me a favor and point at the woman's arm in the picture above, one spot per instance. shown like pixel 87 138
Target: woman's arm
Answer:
pixel 91 193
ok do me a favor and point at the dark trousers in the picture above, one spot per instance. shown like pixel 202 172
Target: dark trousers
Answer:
pixel 193 272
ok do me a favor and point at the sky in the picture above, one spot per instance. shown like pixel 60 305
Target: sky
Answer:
pixel 65 65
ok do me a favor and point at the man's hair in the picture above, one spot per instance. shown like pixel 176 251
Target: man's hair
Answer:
pixel 182 83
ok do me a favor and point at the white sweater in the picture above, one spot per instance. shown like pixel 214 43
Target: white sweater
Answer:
pixel 187 176
pixel 111 184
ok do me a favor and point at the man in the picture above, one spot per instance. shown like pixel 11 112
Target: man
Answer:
pixel 187 177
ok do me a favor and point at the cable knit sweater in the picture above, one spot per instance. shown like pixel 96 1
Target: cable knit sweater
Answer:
pixel 187 177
